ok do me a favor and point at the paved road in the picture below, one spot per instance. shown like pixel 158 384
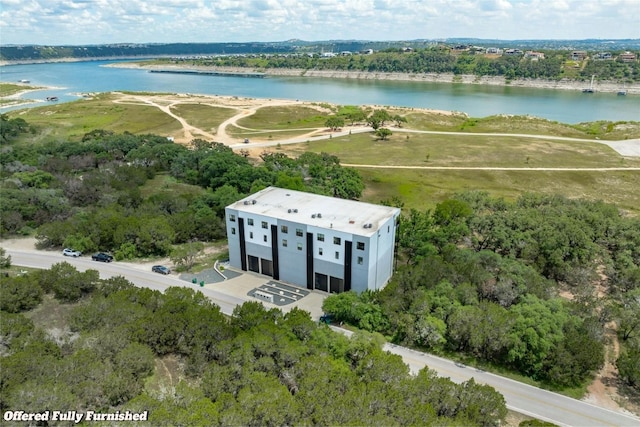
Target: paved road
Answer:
pixel 520 397
pixel 523 398
pixel 139 277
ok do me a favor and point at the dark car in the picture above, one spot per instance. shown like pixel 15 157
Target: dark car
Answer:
pixel 326 318
pixel 101 256
pixel 160 269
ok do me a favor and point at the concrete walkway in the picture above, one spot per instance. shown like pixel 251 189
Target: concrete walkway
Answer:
pixel 246 282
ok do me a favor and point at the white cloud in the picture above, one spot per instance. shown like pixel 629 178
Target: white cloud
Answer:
pixel 105 21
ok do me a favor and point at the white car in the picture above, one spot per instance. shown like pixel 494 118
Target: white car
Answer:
pixel 71 252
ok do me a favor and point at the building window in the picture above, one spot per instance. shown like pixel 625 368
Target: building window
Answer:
pixel 264 224
pixel 360 246
pixel 250 221
pixel 284 243
pixel 320 237
pixel 360 260
pixel 284 229
pixel 337 255
pixel 299 232
pixel 233 230
pixel 299 246
pixel 336 241
pixel 264 238
pixel 232 218
pixel 251 234
pixel 319 251
pixel 388 228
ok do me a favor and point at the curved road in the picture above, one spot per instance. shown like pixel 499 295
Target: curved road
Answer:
pixel 520 397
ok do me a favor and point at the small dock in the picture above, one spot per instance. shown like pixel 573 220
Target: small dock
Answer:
pixel 212 73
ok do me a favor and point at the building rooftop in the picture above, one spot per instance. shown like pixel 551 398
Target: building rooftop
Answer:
pixel 348 216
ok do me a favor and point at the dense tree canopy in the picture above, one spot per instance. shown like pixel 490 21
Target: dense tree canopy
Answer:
pixel 260 367
pixel 482 276
pixel 556 64
pixel 98 194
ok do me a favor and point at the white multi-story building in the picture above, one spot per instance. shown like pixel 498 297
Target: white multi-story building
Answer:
pixel 318 242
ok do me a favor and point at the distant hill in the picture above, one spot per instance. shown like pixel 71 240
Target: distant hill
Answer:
pixel 40 53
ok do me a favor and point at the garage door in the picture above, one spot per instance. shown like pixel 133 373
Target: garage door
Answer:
pixel 321 282
pixel 336 285
pixel 254 264
pixel 267 267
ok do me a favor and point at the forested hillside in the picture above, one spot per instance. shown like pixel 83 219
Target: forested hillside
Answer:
pixel 528 284
pixel 101 193
pixel 442 59
pixel 259 368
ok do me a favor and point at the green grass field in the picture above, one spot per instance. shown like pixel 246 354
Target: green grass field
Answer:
pixel 421 120
pixel 72 120
pixel 284 117
pixel 414 149
pixel 265 135
pixel 417 188
pixel 422 189
pixel 203 116
pixel 8 89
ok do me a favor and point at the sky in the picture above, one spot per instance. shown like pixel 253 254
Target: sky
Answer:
pixel 81 22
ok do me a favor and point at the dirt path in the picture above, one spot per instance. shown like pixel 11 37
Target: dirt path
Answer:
pixel 189 132
pixel 603 390
pixel 222 135
pixel 248 106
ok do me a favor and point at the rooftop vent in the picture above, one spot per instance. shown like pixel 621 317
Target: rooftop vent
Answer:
pixel 295 211
pixel 288 210
pixel 313 215
pixel 253 202
pixel 246 202
pixel 367 225
pixel 319 215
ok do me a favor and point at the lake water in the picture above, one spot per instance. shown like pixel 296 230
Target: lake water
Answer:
pixel 74 78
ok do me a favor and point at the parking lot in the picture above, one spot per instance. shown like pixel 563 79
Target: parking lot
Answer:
pixel 271 293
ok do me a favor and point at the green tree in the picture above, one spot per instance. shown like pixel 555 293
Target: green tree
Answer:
pixel 5 260
pixel 399 120
pixel 383 133
pixel 186 255
pixel 334 122
pixel 378 118
pixel 19 294
pixel 628 364
pixel 627 313
pixel 67 283
pixel 536 332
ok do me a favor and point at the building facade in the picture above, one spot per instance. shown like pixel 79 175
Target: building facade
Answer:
pixel 318 242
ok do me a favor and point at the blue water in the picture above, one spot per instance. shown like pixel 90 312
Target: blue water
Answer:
pixel 72 79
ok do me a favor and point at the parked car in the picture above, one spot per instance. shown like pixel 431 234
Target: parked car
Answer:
pixel 326 318
pixel 71 252
pixel 160 269
pixel 101 256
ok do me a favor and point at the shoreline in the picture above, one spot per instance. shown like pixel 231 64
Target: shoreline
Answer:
pixel 444 78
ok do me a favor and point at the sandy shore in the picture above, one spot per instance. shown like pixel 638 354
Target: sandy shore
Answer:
pixel 448 78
